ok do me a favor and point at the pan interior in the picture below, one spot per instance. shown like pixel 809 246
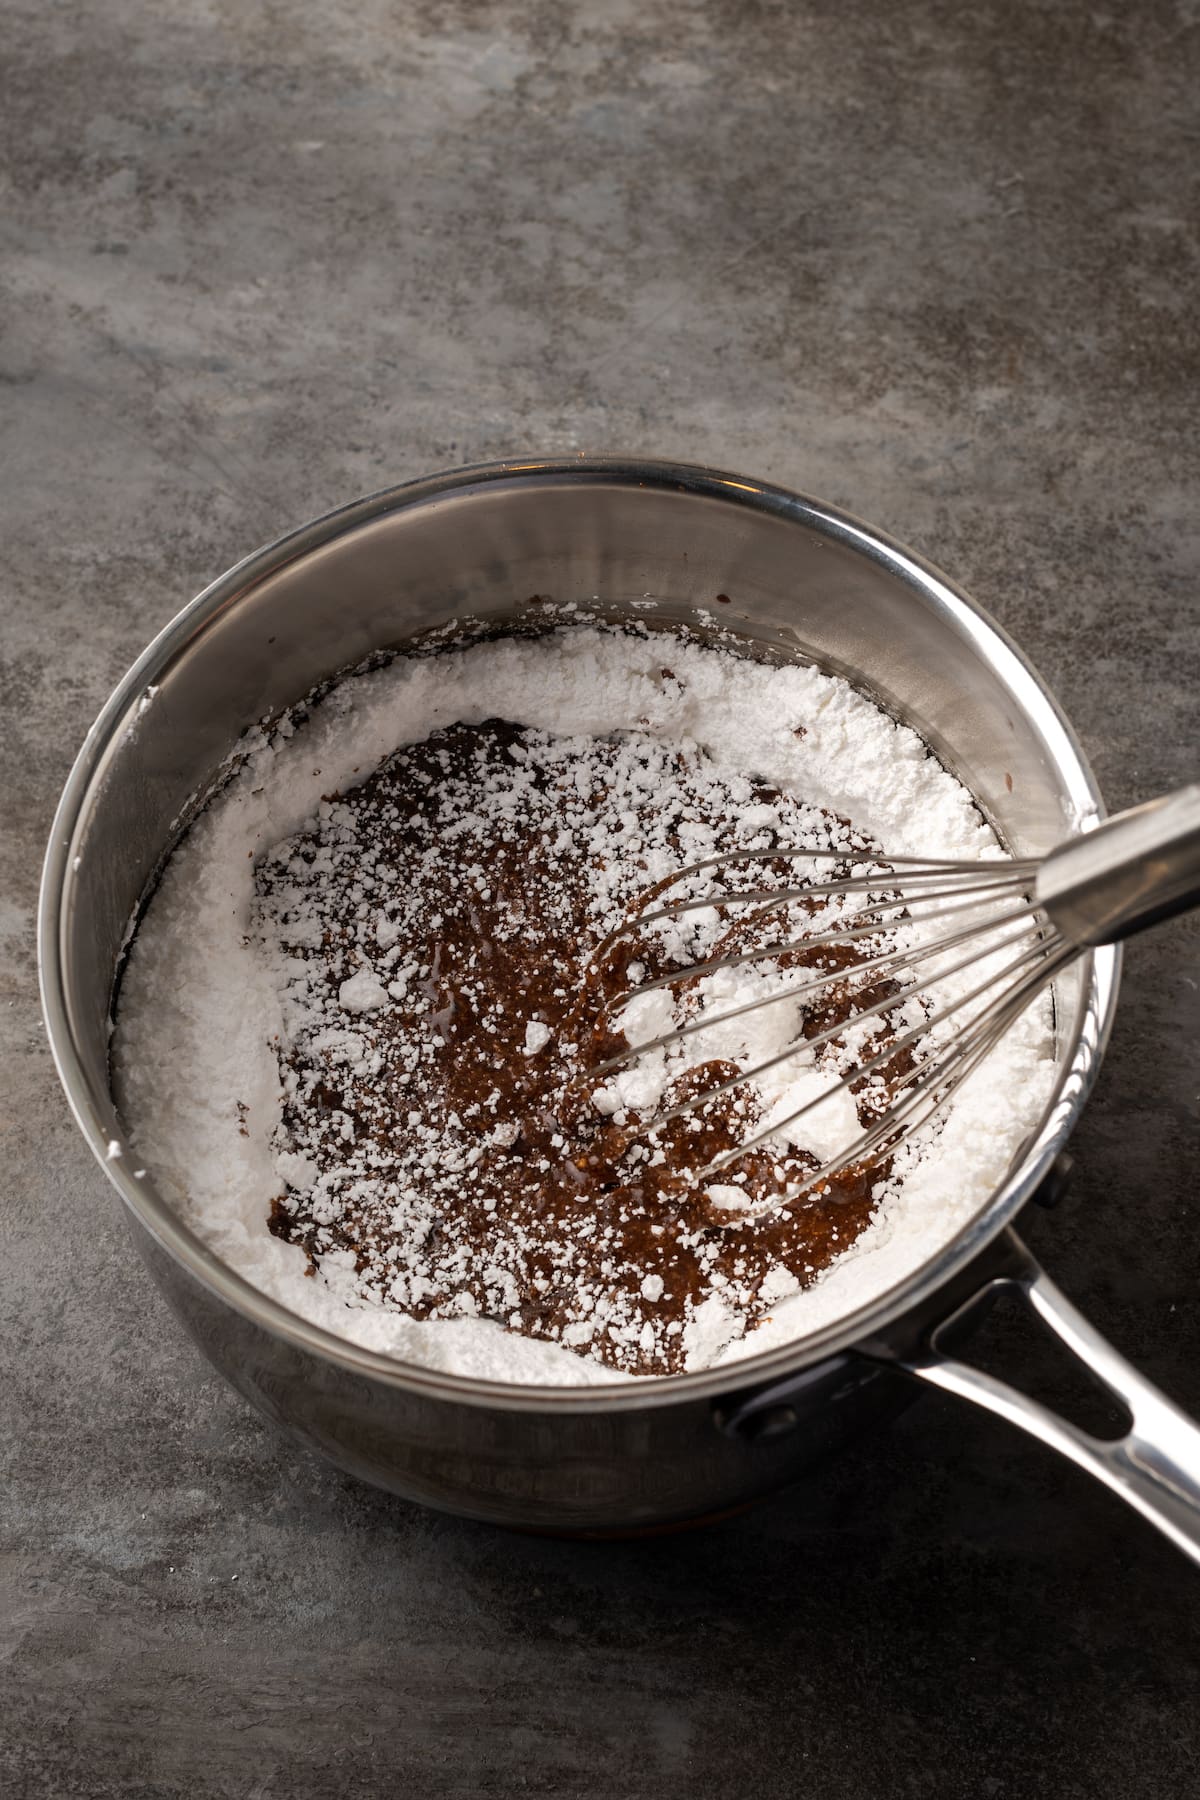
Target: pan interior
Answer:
pixel 505 550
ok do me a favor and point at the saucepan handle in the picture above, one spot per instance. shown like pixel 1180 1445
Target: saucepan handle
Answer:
pixel 1155 1466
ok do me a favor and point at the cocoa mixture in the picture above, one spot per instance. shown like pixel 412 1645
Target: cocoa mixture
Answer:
pixel 446 1011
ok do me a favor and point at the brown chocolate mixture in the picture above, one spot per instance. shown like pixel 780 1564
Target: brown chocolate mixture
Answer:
pixel 434 935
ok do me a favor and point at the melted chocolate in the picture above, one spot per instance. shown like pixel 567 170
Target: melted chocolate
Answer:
pixel 465 1173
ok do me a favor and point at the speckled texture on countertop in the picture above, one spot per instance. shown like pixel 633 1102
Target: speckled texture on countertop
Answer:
pixel 934 262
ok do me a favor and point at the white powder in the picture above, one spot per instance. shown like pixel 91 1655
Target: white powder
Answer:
pixel 194 1062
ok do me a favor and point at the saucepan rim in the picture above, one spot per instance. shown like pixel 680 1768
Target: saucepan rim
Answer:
pixel 94 1110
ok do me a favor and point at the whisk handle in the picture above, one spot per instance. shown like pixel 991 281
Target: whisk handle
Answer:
pixel 1137 868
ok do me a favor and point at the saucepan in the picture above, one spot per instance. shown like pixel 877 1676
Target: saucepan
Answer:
pixel 509 546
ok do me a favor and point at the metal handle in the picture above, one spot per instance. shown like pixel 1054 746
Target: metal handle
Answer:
pixel 1155 1466
pixel 1132 871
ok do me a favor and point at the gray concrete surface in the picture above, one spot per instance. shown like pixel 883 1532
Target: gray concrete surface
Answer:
pixel 934 262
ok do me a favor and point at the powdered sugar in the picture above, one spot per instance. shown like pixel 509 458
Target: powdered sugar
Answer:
pixel 199 999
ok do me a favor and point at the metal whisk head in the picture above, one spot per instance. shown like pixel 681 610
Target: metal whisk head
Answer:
pixel 967 941
pixel 969 945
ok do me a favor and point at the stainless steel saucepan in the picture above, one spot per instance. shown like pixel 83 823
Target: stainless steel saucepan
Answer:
pixel 667 545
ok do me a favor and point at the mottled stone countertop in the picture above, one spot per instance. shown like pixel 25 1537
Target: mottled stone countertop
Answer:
pixel 935 263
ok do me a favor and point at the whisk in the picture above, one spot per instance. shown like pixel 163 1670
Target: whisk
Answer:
pixel 1017 924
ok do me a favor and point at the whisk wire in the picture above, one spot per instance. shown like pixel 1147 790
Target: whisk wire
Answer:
pixel 1030 954
pixel 964 1062
pixel 888 1004
pixel 917 864
pixel 680 977
pixel 852 884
